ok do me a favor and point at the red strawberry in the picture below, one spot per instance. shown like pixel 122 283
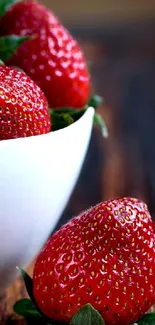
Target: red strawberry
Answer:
pixel 53 59
pixel 105 257
pixel 23 106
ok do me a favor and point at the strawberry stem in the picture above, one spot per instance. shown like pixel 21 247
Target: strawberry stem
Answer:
pixel 95 101
pixel 98 120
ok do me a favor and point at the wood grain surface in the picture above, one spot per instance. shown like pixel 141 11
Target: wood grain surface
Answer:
pixel 123 70
pixel 9 298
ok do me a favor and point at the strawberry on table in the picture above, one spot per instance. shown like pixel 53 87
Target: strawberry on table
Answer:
pixel 104 257
pixel 23 106
pixel 53 59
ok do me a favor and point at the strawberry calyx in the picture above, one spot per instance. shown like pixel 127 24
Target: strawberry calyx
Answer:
pixel 25 308
pixel 61 120
pixel 62 117
pixel 9 44
pixel 86 315
pixel 5 5
pixel 148 319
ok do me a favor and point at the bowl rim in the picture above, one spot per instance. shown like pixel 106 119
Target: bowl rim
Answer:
pixel 89 112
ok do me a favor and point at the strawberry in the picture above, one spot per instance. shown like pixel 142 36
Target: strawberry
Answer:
pixel 53 59
pixel 23 106
pixel 104 257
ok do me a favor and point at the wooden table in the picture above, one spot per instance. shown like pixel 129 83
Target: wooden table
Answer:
pixel 8 299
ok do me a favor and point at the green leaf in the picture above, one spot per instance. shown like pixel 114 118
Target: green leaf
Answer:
pixel 148 319
pixel 28 283
pixel 76 114
pixel 9 44
pixel 24 307
pixel 61 120
pixel 65 116
pixel 95 101
pixel 5 5
pixel 72 112
pixel 87 315
pixel 99 121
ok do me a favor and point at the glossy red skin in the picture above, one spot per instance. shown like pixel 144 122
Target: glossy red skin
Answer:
pixel 105 257
pixel 53 59
pixel 23 106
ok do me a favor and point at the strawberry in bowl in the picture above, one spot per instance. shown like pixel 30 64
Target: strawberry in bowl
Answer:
pixel 35 41
pixel 23 107
pixel 53 58
pixel 99 267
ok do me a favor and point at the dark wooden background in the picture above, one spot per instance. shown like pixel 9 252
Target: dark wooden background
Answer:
pixel 123 72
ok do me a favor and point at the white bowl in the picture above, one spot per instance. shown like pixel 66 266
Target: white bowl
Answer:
pixel 37 177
